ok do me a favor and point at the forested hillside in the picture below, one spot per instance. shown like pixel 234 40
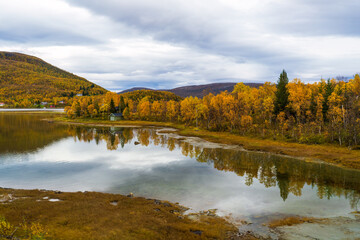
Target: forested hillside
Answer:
pixel 26 81
pixel 321 112
pixel 151 95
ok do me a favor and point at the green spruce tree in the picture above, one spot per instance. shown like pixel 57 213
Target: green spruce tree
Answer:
pixel 122 105
pixel 112 106
pixel 329 88
pixel 282 93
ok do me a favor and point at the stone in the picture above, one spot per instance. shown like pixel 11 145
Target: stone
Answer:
pixel 198 232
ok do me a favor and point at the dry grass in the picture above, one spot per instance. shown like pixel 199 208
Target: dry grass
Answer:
pixel 91 215
pixel 290 221
pixel 333 154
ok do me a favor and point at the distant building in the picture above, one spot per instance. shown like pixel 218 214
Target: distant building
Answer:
pixel 44 103
pixel 116 116
pixel 2 104
pixel 61 102
pixel 79 95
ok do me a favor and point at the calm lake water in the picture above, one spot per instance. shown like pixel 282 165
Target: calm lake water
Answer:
pixel 154 163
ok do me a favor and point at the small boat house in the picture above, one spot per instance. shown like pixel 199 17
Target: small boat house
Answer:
pixel 116 116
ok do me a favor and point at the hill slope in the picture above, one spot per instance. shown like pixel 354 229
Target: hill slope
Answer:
pixel 152 95
pixel 26 80
pixel 197 90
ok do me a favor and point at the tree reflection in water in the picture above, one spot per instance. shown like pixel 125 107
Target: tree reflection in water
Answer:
pixel 288 174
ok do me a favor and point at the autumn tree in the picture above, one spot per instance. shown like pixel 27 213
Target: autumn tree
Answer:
pixel 326 111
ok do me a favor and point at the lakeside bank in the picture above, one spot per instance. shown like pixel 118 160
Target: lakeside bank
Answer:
pixel 161 132
pixel 93 215
pixel 331 154
pixel 32 110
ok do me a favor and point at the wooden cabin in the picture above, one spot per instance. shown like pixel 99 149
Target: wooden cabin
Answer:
pixel 116 116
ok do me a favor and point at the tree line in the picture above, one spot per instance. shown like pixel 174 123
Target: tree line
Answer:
pixel 327 111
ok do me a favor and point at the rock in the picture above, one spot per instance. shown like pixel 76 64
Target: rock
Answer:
pixel 136 143
pixel 167 204
pixel 130 195
pixel 57 192
pixel 158 202
pixel 183 209
pixel 54 200
pixel 212 211
pixel 193 216
pixel 157 209
pixel 198 232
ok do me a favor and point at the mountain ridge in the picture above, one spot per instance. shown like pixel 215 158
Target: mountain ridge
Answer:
pixel 196 90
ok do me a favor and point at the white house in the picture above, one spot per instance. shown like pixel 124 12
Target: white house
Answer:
pixel 2 104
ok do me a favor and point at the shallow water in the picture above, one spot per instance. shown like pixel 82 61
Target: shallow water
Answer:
pixel 246 185
pixel 31 110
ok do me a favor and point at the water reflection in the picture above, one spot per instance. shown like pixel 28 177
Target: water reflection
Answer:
pixel 288 174
pixel 153 163
pixel 27 132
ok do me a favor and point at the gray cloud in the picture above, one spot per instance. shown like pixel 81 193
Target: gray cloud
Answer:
pixel 162 44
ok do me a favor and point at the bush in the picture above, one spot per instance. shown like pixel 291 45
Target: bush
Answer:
pixel 6 229
pixel 312 139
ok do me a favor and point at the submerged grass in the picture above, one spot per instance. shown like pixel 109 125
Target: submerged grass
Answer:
pixel 290 221
pixel 333 154
pixel 92 215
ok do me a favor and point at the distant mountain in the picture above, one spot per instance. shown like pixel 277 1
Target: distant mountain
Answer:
pixel 198 90
pixel 134 89
pixel 28 77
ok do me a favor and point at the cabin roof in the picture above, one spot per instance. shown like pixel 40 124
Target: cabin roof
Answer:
pixel 116 114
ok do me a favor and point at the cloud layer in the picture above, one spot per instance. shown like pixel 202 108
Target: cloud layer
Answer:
pixel 165 44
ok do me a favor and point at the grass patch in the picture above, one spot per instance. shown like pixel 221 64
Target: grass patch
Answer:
pixel 290 221
pixel 93 215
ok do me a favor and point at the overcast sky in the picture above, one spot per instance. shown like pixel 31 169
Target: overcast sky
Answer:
pixel 120 44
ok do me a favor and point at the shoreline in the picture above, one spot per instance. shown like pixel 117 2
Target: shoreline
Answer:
pixel 329 154
pixel 32 110
pixel 96 215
